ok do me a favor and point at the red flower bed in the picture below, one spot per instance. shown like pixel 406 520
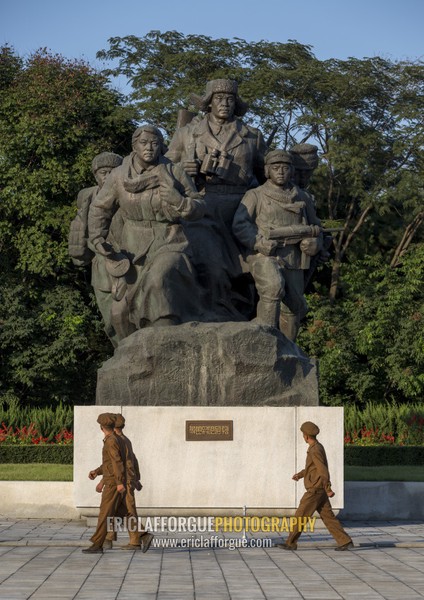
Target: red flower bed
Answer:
pixel 409 433
pixel 25 436
pixel 369 437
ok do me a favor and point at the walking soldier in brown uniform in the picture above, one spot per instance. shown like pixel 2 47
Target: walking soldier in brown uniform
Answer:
pixel 316 478
pixel 139 539
pixel 114 480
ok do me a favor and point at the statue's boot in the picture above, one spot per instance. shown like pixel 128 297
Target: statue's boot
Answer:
pixel 289 325
pixel 119 317
pixel 268 312
pixel 166 322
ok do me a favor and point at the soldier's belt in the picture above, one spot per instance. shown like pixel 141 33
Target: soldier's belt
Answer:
pixel 148 224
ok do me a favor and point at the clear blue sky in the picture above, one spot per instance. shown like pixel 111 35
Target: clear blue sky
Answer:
pixel 335 28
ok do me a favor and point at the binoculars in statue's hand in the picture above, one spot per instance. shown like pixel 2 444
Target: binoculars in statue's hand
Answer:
pixel 216 163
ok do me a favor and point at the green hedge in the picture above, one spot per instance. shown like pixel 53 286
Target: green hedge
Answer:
pixel 37 454
pixel 363 456
pixel 369 456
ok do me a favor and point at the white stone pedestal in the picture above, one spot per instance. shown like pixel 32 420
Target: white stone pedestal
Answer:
pixel 212 477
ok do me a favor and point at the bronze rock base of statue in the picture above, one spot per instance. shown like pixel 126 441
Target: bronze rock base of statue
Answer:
pixel 208 364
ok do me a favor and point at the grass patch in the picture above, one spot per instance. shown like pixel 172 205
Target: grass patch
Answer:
pixel 56 472
pixel 35 472
pixel 384 473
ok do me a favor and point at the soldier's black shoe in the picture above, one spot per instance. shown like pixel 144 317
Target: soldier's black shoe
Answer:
pixel 344 547
pixel 107 545
pixel 93 550
pixel 131 547
pixel 286 546
pixel 146 540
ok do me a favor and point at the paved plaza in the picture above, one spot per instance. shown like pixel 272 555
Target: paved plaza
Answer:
pixel 42 559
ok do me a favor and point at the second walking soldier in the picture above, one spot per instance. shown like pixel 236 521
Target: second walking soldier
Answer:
pixel 113 490
pixel 139 539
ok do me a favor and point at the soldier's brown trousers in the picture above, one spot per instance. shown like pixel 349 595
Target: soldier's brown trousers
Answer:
pixel 317 500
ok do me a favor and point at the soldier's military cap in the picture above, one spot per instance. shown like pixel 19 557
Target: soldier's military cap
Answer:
pixel 106 159
pixel 106 420
pixel 119 420
pixel 228 86
pixel 278 156
pixel 309 428
pixel 305 156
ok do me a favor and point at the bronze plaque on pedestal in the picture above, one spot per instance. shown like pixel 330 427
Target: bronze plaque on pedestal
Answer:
pixel 209 431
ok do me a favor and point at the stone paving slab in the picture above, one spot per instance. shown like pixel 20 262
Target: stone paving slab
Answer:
pixel 42 560
pixel 56 532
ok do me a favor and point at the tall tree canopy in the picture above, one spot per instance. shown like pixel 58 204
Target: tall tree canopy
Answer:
pixel 55 116
pixel 365 116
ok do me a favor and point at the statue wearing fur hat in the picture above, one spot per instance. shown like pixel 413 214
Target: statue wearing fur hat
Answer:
pixel 225 158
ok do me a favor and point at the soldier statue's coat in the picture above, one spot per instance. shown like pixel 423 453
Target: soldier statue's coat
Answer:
pixel 241 147
pixel 161 280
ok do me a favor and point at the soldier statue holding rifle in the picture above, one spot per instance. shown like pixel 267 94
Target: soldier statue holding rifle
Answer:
pixel 278 225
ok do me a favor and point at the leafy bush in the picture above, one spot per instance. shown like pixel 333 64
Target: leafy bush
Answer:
pixel 412 431
pixel 48 422
pixel 401 424
pixel 370 343
pixel 29 435
pixel 369 437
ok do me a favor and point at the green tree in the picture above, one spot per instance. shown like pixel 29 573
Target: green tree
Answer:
pixel 164 68
pixel 371 343
pixel 365 116
pixel 55 116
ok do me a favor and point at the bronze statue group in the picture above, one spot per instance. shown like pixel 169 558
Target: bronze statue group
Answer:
pixel 213 228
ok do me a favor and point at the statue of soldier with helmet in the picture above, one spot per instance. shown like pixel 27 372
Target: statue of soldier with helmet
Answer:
pixel 278 225
pixel 82 252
